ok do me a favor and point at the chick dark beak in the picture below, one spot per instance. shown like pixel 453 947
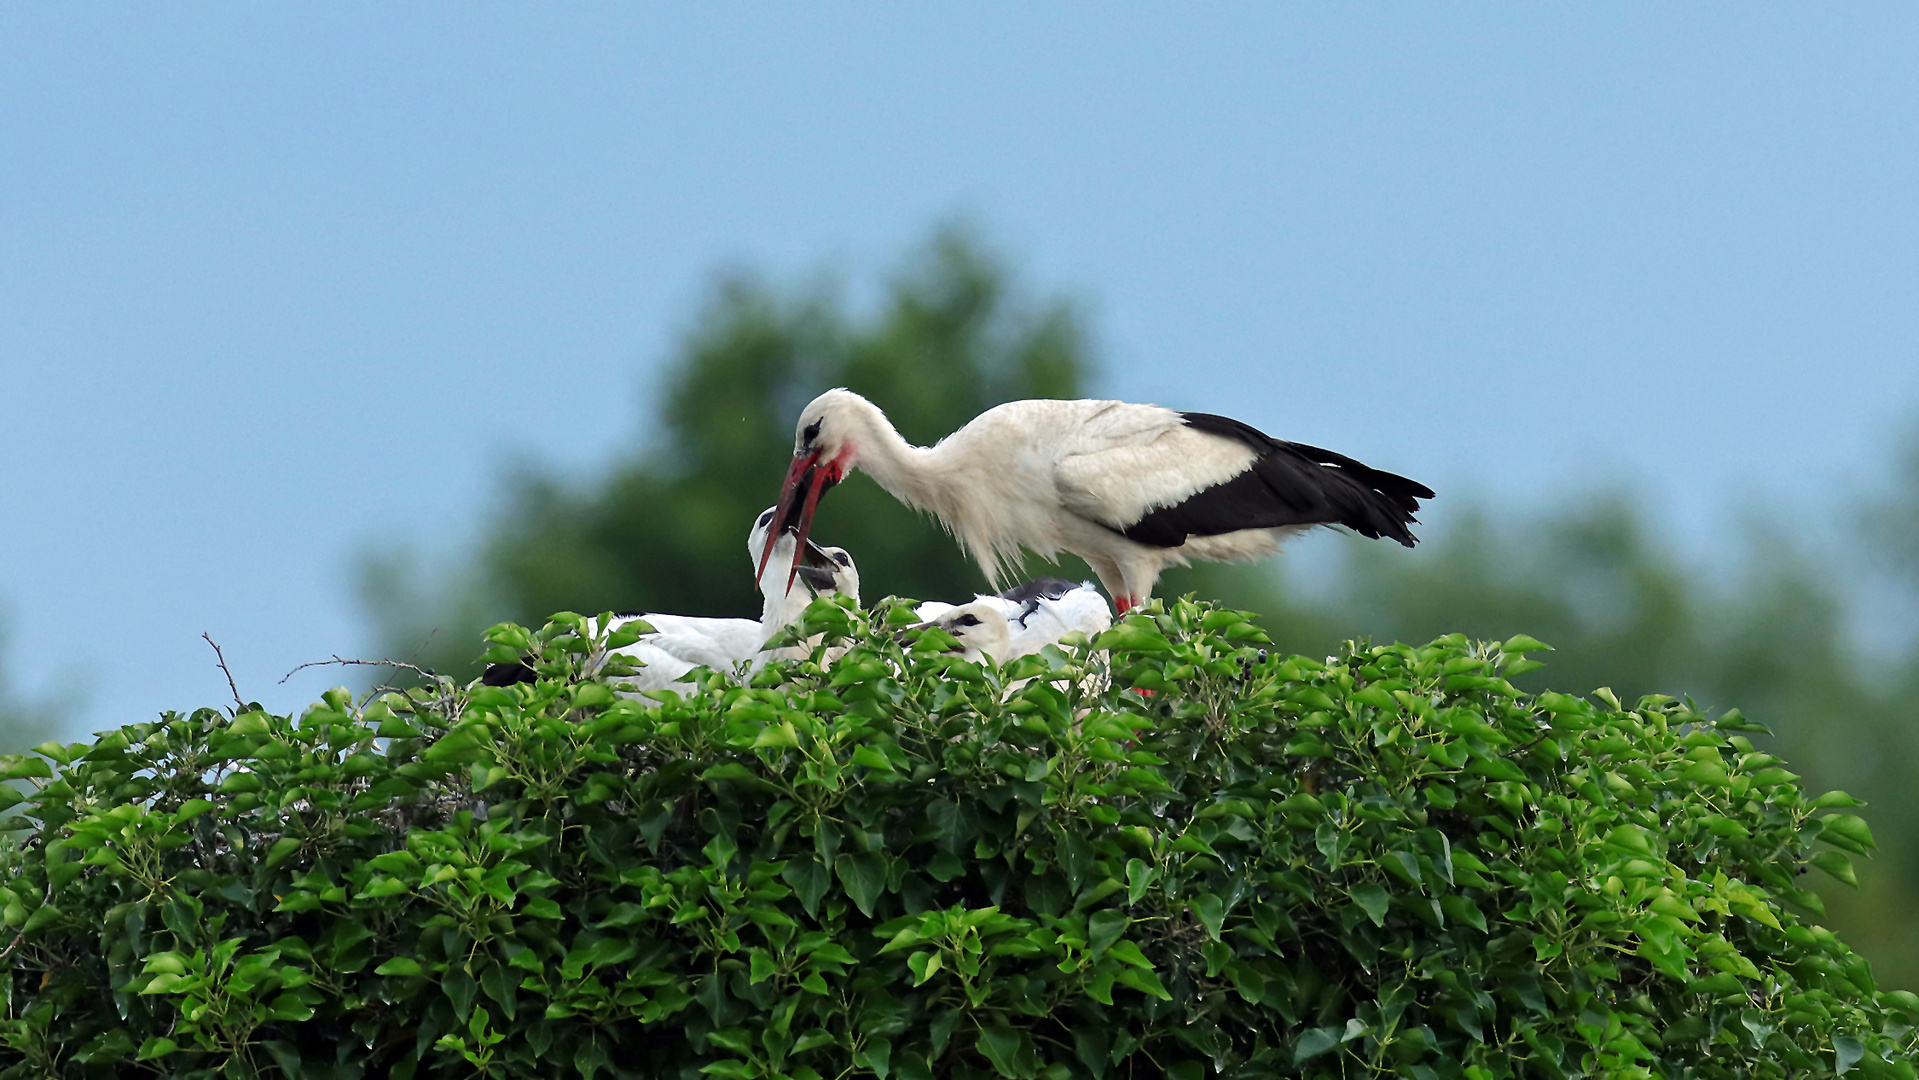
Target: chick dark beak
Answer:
pixel 818 568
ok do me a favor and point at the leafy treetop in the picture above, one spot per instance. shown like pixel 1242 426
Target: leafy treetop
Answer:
pixel 903 864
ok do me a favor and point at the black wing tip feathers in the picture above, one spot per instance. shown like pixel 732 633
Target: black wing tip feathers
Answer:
pixel 1288 484
pixel 1048 588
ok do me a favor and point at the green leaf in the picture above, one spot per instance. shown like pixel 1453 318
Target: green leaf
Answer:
pixel 924 965
pixel 1211 913
pixel 1103 928
pixel 399 966
pixel 1139 877
pixel 43 916
pixel 156 1046
pixel 1373 900
pixel 1848 831
pixel 1837 865
pixel 1132 637
pixel 383 886
pixel 21 767
pixel 1146 982
pixel 809 879
pixel 871 758
pixel 191 809
pixel 1129 953
pixel 783 735
pixel 1007 1050
pixel 281 849
pixel 864 878
pixel 1316 1041
pixel 1846 1052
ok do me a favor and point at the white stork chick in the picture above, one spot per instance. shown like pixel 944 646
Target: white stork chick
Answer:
pixel 1132 489
pixel 1040 612
pixel 980 628
pixel 680 643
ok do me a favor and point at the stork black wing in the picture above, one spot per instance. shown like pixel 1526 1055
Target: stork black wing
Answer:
pixel 1040 588
pixel 1287 484
pixel 1028 594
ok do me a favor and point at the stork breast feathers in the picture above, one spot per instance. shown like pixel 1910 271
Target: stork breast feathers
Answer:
pixel 1132 459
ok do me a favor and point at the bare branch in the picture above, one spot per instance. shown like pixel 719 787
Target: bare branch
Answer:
pixel 338 659
pixel 240 706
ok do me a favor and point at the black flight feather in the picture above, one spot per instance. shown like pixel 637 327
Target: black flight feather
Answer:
pixel 1288 484
pixel 1040 588
pixel 1028 594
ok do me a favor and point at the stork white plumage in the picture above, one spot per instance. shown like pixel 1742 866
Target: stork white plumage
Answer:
pixel 980 628
pixel 1132 489
pixel 680 643
pixel 1037 613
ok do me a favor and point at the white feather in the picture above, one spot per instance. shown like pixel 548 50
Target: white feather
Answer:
pixel 1047 476
pixel 680 643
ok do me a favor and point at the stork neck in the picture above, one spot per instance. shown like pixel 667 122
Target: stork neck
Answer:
pixel 778 608
pixel 901 468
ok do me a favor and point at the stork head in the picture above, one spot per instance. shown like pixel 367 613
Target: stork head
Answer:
pixel 830 570
pixel 822 570
pixel 979 627
pixel 823 453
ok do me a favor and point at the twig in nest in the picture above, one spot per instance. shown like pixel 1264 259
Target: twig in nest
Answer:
pixel 222 658
pixel 338 659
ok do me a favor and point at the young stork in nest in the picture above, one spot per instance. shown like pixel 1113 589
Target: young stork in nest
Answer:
pixel 680 643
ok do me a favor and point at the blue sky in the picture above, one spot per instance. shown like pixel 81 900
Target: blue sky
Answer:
pixel 281 283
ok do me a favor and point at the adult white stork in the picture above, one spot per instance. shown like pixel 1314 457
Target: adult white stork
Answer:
pixel 680 643
pixel 1131 489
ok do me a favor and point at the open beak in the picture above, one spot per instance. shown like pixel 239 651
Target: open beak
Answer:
pixel 806 481
pixel 818 568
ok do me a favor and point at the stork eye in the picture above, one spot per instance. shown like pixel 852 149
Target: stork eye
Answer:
pixel 766 519
pixel 843 558
pixel 966 620
pixel 812 432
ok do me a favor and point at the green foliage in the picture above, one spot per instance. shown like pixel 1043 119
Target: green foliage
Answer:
pixel 1767 629
pixel 1765 625
pixel 665 529
pixel 907 865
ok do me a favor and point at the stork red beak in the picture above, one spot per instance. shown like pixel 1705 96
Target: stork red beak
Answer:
pixel 806 481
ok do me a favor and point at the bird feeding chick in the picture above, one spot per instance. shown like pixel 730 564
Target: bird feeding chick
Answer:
pixel 1132 489
pixel 679 643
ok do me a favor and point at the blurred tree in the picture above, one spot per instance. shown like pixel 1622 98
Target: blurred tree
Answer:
pixel 25 723
pixel 666 529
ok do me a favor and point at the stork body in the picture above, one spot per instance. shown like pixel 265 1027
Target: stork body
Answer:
pixel 1038 613
pixel 1132 489
pixel 1022 621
